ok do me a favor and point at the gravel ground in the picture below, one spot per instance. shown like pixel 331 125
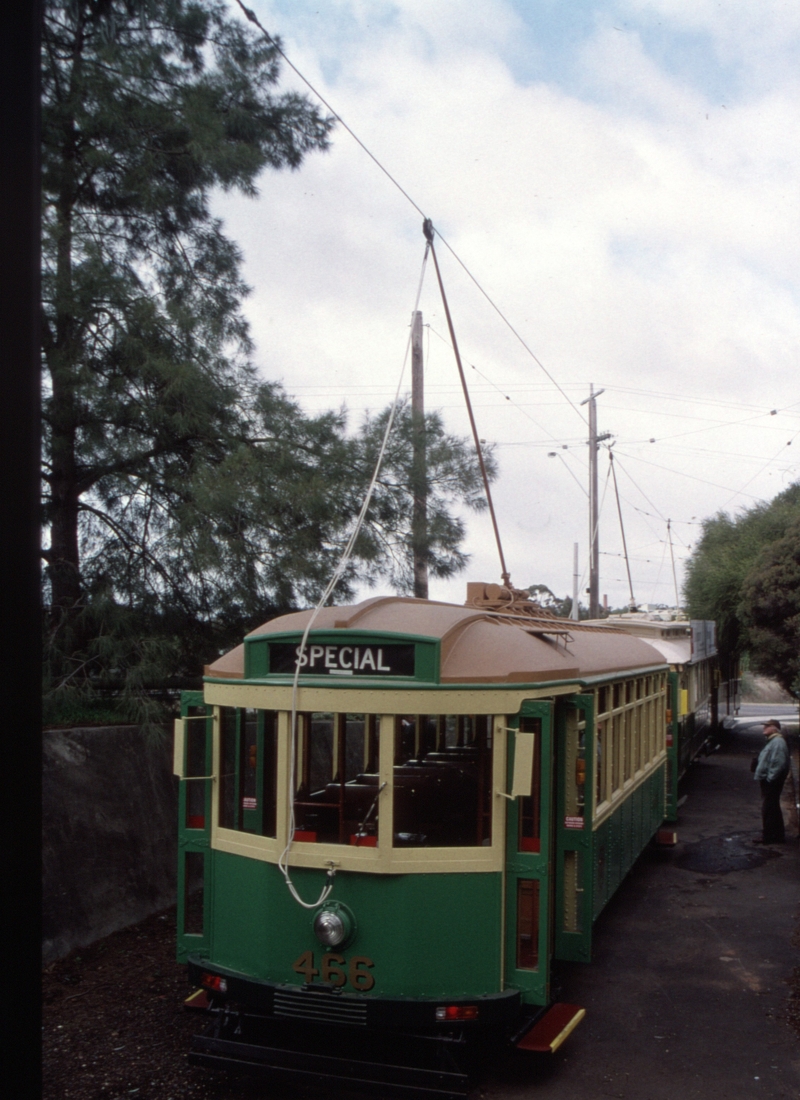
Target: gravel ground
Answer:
pixel 114 1025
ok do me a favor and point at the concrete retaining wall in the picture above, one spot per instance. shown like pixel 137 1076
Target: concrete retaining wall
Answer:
pixel 109 825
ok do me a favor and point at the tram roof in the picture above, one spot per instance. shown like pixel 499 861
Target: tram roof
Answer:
pixel 672 639
pixel 515 643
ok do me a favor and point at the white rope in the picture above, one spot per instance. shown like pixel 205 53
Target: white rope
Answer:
pixel 283 864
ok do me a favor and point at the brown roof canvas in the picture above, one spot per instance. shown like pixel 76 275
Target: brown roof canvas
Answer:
pixel 477 646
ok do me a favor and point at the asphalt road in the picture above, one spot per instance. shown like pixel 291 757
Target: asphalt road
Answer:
pixel 687 994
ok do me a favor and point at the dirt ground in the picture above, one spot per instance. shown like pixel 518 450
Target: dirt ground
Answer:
pixel 114 1027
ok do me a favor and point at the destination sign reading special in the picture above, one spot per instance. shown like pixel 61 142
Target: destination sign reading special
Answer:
pixel 343 660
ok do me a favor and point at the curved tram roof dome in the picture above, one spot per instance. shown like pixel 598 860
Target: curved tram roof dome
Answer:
pixel 498 636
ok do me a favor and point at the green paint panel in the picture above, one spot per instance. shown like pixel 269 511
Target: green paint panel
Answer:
pixel 428 935
pixel 619 841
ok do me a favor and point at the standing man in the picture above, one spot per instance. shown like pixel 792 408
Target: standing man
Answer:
pixel 771 771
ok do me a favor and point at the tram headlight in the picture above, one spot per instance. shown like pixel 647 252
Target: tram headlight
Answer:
pixel 333 925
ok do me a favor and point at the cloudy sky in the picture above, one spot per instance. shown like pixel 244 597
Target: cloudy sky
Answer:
pixel 621 178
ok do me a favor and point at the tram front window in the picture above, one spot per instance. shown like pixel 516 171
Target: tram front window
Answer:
pixel 336 800
pixel 442 780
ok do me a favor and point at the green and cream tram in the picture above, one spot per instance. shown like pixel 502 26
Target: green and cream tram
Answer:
pixel 462 787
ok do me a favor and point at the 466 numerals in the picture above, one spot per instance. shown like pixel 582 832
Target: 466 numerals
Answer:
pixel 358 970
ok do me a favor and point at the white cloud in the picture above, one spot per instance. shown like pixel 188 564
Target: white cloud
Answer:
pixel 642 238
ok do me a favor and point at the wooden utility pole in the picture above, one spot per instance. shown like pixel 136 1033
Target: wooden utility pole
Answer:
pixel 419 517
pixel 594 545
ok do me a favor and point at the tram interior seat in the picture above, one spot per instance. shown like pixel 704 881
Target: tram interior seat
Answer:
pixel 435 803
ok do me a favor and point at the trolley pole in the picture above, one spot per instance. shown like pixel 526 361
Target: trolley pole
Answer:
pixel 594 546
pixel 419 517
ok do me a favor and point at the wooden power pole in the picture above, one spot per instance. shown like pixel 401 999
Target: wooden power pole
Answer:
pixel 419 517
pixel 594 544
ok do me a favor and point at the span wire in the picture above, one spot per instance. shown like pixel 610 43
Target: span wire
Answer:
pixel 338 572
pixel 253 18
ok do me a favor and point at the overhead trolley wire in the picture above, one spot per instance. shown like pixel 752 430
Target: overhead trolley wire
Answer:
pixel 494 386
pixel 253 18
pixel 761 471
pixel 251 15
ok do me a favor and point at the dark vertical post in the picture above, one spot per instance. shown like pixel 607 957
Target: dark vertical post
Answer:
pixel 419 466
pixel 594 546
pixel 20 659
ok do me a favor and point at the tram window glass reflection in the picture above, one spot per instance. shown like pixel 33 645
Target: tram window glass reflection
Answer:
pixel 248 771
pixel 530 807
pixel 336 798
pixel 442 780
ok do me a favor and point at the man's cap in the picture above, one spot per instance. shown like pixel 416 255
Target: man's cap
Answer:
pixel 772 722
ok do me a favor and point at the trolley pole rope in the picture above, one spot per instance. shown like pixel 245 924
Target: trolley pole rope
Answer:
pixel 427 229
pixel 283 862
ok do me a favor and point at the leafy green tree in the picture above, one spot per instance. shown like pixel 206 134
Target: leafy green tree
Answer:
pixel 185 499
pixel 769 609
pixel 728 550
pixel 147 106
pixel 547 599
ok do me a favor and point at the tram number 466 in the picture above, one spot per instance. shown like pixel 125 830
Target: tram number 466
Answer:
pixel 332 970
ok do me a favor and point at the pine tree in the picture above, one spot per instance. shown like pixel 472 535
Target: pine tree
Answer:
pixel 185 500
pixel 147 106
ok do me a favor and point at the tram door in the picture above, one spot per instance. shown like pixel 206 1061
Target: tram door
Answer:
pixel 193 765
pixel 574 814
pixel 528 858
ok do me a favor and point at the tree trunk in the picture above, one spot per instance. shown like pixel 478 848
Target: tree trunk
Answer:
pixel 63 360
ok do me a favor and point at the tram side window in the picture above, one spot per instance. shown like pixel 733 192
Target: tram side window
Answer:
pixel 248 770
pixel 575 766
pixel 442 780
pixel 629 732
pixel 527 924
pixel 337 787
pixel 600 774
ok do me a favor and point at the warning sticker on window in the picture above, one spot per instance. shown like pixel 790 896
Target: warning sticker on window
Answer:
pixel 249 803
pixel 573 822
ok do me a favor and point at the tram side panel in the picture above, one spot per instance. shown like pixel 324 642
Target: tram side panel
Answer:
pixel 612 771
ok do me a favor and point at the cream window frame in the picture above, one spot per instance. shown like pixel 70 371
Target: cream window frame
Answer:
pixel 634 731
pixel 383 859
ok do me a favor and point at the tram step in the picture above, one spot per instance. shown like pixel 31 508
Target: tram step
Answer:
pixel 198 1001
pixel 549 1031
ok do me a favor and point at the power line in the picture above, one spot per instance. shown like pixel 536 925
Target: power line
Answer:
pixel 253 18
pixel 693 477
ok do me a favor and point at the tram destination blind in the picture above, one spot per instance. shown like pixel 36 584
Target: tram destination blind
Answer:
pixel 343 660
